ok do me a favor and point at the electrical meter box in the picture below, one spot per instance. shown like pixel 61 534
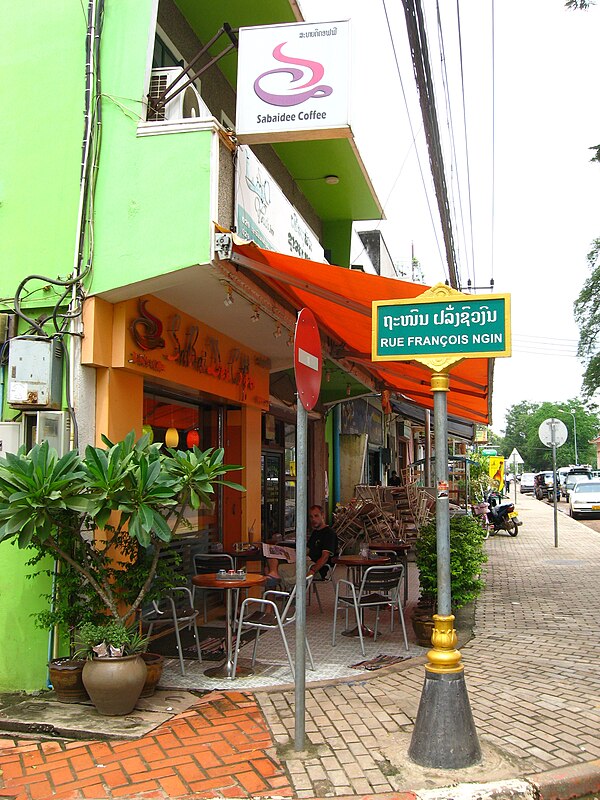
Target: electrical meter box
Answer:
pixel 35 373
pixel 53 427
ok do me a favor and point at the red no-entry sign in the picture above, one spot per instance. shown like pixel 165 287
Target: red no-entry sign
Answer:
pixel 308 359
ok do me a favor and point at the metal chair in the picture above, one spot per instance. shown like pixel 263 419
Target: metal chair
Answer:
pixel 316 581
pixel 205 563
pixel 174 608
pixel 263 614
pixel 379 588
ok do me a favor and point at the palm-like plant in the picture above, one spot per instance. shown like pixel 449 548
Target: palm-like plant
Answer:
pixel 84 511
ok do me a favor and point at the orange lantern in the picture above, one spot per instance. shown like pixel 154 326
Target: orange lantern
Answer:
pixel 172 437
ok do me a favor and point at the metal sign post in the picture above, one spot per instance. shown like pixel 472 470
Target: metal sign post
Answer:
pixel 308 368
pixel 439 328
pixel 553 433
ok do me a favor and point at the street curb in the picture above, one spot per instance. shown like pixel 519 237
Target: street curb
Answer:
pixel 566 783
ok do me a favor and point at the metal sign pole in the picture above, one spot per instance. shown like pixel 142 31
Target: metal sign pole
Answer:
pixel 301 513
pixel 444 735
pixel 515 477
pixel 555 491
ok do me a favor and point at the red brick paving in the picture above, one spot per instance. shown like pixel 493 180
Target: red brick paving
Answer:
pixel 219 748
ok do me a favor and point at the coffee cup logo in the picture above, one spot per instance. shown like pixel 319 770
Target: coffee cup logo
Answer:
pixel 298 90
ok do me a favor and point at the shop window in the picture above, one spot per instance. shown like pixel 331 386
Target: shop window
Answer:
pixel 184 425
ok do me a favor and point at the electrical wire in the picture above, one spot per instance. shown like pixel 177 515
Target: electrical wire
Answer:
pixel 454 158
pixel 493 132
pixel 412 131
pixel 417 37
pixel 462 83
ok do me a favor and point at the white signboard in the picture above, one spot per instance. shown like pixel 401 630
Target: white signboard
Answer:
pixel 293 82
pixel 265 215
pixel 553 432
pixel 515 457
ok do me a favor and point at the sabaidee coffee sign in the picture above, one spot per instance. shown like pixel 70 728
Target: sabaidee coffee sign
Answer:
pixel 441 322
pixel 293 82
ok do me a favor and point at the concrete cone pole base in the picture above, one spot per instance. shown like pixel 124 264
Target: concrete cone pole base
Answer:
pixel 444 736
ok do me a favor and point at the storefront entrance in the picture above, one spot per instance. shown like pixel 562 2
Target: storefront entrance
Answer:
pixel 278 478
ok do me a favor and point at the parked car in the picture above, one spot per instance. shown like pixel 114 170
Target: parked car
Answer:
pixel 544 486
pixel 527 483
pixel 584 498
pixel 572 479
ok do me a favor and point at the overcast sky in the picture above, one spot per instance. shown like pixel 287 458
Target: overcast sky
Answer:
pixel 545 207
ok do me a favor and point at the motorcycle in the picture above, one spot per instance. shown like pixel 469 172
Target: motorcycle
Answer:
pixel 497 516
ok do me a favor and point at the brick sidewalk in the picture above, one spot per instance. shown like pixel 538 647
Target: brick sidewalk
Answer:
pixel 221 747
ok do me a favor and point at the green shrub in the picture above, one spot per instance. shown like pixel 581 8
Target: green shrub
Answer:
pixel 109 639
pixel 467 556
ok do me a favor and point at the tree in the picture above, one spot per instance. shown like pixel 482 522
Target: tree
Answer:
pixel 581 4
pixel 587 316
pixel 126 498
pixel 522 425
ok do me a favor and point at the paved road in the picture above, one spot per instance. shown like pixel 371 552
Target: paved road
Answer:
pixel 590 522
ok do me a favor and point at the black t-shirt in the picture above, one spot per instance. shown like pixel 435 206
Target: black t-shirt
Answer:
pixel 322 539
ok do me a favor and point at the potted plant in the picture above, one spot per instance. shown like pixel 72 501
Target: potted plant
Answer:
pixel 113 673
pixel 467 556
pixel 105 517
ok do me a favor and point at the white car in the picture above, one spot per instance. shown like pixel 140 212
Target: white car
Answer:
pixel 584 498
pixel 573 479
pixel 527 483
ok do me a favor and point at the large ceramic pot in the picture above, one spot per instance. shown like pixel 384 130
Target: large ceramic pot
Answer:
pixel 154 664
pixel 114 684
pixel 66 680
pixel 423 628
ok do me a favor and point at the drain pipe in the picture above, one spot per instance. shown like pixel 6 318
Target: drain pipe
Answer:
pixel 337 419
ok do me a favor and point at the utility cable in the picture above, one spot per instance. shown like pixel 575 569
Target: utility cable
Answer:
pixel 493 130
pixel 446 86
pixel 412 131
pixel 417 37
pixel 462 82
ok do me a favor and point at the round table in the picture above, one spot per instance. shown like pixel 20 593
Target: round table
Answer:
pixel 211 581
pixel 355 565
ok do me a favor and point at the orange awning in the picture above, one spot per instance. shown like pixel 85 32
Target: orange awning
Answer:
pixel 341 301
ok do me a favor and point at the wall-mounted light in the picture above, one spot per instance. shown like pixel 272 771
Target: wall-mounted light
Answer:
pixel 332 180
pixel 348 390
pixel 228 296
pixel 290 340
pixel 256 315
pixel 327 376
pixel 277 332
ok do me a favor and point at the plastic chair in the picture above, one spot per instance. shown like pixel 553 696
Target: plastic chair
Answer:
pixel 174 608
pixel 264 614
pixel 379 588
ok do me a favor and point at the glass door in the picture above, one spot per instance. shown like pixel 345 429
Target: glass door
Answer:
pixel 272 496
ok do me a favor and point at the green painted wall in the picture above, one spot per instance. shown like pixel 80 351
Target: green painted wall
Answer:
pixel 23 647
pixel 41 128
pixel 337 236
pixel 153 193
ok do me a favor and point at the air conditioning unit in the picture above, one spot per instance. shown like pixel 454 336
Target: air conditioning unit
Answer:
pixel 187 104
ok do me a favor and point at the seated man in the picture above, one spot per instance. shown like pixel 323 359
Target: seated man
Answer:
pixel 321 548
